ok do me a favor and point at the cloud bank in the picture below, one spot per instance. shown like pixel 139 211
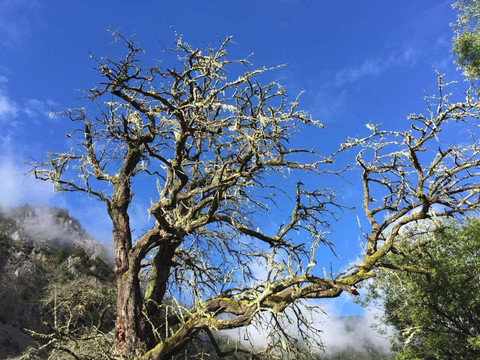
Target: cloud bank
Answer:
pixel 338 333
pixel 16 186
pixel 352 333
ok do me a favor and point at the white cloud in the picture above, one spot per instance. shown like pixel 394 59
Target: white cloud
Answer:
pixel 17 188
pixel 35 107
pixel 338 333
pixel 332 96
pixel 355 333
pixel 8 109
pixel 374 66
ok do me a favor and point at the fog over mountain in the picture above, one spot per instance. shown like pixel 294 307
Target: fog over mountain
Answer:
pixel 354 335
pixel 51 226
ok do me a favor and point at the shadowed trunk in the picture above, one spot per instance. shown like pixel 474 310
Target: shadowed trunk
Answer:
pixel 157 286
pixel 129 329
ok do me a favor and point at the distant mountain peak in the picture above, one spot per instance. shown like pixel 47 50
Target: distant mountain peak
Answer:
pixel 48 226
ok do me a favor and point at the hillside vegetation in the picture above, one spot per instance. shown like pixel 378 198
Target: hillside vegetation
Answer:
pixel 53 273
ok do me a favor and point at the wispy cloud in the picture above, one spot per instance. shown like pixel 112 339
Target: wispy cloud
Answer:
pixel 16 187
pixel 44 225
pixel 375 66
pixel 34 108
pixel 12 109
pixel 8 107
pixel 332 93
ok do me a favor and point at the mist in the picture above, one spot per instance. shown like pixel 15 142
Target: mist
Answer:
pixel 18 187
pixel 354 333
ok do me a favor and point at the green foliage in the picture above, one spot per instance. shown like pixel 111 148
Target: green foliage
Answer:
pixel 475 342
pixel 435 310
pixel 79 253
pixel 6 226
pixel 80 318
pixel 60 255
pixel 80 301
pixel 466 42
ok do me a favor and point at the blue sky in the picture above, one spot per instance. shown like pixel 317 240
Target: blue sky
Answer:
pixel 357 61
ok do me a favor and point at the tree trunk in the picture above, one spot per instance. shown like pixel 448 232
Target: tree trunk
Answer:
pixel 129 328
pixel 157 286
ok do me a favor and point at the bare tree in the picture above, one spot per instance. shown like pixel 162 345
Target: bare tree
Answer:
pixel 212 141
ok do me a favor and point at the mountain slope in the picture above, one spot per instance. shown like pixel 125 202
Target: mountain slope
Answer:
pixel 42 252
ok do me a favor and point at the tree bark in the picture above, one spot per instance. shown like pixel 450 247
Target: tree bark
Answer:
pixel 157 286
pixel 130 325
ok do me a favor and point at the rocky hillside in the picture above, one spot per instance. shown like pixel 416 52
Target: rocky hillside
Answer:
pixel 43 251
